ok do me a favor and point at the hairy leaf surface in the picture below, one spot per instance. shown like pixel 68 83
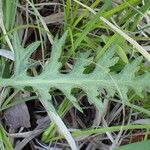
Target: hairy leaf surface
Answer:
pixel 92 84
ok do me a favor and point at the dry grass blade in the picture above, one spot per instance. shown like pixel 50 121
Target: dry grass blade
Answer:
pixel 54 18
pixel 7 54
pixel 128 38
pixel 42 21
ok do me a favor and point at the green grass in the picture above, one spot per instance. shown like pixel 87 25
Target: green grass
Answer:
pixel 93 27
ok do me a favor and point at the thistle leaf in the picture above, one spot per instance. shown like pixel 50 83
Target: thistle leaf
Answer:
pixel 92 84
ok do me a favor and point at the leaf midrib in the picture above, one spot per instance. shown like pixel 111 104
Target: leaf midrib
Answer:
pixel 55 82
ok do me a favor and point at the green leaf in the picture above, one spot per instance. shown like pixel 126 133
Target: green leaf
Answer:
pixel 92 84
pixel 144 145
pixel 5 143
pixel 122 54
